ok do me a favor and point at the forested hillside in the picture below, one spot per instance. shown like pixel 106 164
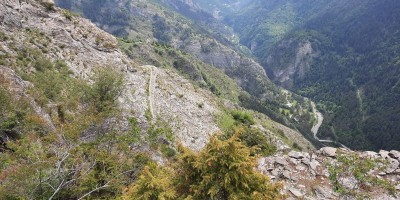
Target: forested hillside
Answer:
pixel 343 54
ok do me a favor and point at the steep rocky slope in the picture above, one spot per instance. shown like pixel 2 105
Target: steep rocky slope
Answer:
pixel 59 35
pixel 167 25
pixel 84 48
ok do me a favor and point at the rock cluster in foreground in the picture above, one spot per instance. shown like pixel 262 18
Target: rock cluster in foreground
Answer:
pixel 306 175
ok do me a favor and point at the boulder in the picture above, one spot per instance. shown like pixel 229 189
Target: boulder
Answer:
pixel 296 155
pixel 261 162
pixel 394 154
pixel 314 164
pixel 384 154
pixel 281 161
pixel 349 183
pixel 275 172
pixel 324 192
pixel 369 154
pixel 286 174
pixel 328 151
pixel 306 161
pixel 392 166
pixel 297 193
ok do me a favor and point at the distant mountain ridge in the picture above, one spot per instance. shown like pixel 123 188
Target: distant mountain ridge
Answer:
pixel 344 54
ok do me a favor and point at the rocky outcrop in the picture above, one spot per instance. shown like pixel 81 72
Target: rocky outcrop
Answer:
pixel 308 175
pixel 245 71
pixel 290 60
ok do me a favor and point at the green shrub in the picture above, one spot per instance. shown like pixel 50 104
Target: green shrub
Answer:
pixel 252 137
pixel 224 169
pixel 159 130
pixel 107 87
pixel 297 146
pixel 230 120
pixel 68 14
pixel 242 117
pixel 135 129
pixel 42 64
pixel 167 151
pixel 3 36
pixel 148 115
pixel 225 122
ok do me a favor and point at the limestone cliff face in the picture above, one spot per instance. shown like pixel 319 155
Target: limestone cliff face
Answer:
pixel 245 71
pixel 290 61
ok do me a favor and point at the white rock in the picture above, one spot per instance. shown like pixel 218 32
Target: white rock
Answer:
pixel 369 154
pixel 314 164
pixel 306 161
pixel 392 166
pixel 296 192
pixel 281 161
pixel 328 151
pixel 348 182
pixel 286 174
pixel 261 162
pixel 296 155
pixel 275 172
pixel 384 154
pixel 314 156
pixel 323 192
pixel 300 168
pixel 271 177
pixel 394 154
pixel 294 161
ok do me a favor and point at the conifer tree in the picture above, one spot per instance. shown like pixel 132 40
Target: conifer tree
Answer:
pixel 154 183
pixel 223 170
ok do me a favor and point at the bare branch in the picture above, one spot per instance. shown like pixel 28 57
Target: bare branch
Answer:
pixel 94 190
pixel 105 185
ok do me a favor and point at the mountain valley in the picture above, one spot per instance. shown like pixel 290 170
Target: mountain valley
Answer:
pixel 182 99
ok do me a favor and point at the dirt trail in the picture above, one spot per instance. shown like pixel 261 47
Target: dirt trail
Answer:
pixel 320 119
pixel 153 76
pixel 315 128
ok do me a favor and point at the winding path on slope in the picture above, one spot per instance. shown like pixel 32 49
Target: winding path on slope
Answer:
pixel 151 86
pixel 315 128
pixel 320 119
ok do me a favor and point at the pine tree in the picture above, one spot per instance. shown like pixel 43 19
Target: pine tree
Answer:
pixel 153 183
